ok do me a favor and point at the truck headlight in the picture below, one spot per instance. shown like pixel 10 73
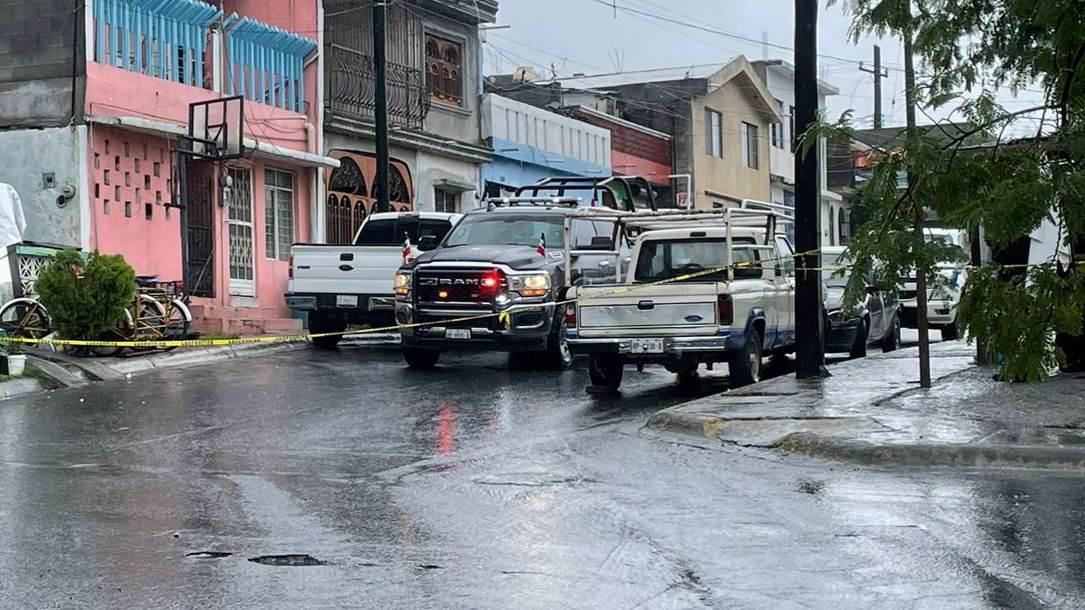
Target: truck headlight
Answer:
pixel 403 283
pixel 532 285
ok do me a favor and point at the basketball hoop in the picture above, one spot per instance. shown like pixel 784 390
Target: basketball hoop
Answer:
pixel 216 130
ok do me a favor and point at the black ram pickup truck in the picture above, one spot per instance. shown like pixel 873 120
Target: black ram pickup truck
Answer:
pixel 507 257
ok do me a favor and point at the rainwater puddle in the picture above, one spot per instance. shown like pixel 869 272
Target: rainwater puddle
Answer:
pixel 208 555
pixel 291 561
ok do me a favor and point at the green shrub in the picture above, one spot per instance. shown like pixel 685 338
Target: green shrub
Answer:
pixel 87 298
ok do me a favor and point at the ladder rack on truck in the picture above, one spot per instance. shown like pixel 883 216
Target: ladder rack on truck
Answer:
pixel 630 225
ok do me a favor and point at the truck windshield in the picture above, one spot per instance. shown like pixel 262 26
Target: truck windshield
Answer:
pixel 508 230
pixel 669 259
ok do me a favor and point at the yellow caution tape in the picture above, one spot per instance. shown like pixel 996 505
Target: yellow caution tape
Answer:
pixel 504 318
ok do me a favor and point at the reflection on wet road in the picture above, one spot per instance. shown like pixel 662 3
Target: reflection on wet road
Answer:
pixel 329 479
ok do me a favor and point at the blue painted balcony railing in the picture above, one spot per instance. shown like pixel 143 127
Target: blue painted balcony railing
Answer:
pixel 266 64
pixel 162 38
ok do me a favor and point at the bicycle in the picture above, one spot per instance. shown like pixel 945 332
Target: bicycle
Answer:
pixel 25 318
pixel 158 312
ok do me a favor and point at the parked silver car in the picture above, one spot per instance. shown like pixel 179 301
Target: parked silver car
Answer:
pixel 875 320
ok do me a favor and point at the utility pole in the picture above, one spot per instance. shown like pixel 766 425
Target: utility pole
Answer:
pixel 380 105
pixel 808 305
pixel 879 73
pixel 921 270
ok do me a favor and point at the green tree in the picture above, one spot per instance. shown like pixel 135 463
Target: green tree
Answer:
pixel 1004 170
pixel 87 298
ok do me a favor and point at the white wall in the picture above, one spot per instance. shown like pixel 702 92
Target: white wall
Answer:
pixel 505 119
pixel 27 154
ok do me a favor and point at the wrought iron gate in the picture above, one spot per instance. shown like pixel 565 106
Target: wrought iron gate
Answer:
pixel 200 185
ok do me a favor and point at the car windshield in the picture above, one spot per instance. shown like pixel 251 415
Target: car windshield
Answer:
pixel 507 229
pixel 832 264
pixel 661 260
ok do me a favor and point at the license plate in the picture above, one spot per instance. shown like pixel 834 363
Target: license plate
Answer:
pixel 458 333
pixel 344 300
pixel 646 346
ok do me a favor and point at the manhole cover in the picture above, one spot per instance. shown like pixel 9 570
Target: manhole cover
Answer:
pixel 208 555
pixel 287 560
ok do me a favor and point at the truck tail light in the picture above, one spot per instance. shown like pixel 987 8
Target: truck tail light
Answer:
pixel 570 315
pixel 290 274
pixel 725 310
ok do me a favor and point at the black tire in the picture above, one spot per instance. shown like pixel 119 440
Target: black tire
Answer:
pixel 950 332
pixel 858 348
pixel 744 367
pixel 421 359
pixel 606 371
pixel 558 356
pixel 891 341
pixel 320 324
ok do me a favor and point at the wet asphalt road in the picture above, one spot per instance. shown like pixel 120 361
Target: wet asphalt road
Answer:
pixel 472 486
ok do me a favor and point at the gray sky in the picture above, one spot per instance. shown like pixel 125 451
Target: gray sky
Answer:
pixel 585 36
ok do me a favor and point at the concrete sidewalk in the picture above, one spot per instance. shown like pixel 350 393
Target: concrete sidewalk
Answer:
pixel 872 411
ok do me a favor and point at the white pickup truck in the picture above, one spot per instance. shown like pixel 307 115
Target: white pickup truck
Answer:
pixel 735 314
pixel 340 285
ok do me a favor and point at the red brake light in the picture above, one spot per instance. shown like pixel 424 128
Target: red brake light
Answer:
pixel 570 316
pixel 291 272
pixel 725 309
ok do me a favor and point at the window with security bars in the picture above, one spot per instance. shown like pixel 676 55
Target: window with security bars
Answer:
pixel 444 70
pixel 278 213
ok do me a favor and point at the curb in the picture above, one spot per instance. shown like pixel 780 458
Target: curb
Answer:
pixel 957 455
pixel 20 387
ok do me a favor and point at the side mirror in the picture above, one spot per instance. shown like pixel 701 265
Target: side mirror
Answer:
pixel 427 243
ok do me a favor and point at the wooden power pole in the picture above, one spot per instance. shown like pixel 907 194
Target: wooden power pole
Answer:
pixel 380 105
pixel 808 304
pixel 879 73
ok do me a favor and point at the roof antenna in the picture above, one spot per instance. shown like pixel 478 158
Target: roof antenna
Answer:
pixel 615 3
pixel 764 45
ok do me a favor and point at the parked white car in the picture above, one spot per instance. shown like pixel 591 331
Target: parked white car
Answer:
pixel 738 307
pixel 339 285
pixel 942 299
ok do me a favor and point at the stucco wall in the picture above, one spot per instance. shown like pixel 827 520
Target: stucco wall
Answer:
pixel 729 175
pixel 27 154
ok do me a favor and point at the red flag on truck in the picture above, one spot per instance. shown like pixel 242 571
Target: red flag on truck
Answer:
pixel 542 245
pixel 406 248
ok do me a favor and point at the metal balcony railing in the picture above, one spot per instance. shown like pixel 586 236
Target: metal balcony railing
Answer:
pixel 351 88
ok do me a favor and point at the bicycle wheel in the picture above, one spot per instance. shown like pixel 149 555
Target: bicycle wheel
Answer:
pixel 25 319
pixel 179 321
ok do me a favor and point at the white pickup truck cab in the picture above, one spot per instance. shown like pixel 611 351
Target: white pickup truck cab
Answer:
pixel 338 285
pixel 688 300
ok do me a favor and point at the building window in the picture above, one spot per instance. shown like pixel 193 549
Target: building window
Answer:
pixel 750 149
pixel 778 128
pixel 445 200
pixel 791 124
pixel 713 133
pixel 278 213
pixel 444 70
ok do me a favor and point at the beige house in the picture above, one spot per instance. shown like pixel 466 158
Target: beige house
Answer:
pixel 719 115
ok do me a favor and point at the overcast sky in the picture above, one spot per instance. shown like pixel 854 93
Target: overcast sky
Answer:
pixel 569 36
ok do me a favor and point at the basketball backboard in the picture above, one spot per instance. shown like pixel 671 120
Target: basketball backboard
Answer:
pixel 216 128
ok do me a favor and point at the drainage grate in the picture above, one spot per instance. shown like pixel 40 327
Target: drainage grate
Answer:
pixel 287 560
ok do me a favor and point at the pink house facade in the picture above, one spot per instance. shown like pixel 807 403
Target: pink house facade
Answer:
pixel 147 61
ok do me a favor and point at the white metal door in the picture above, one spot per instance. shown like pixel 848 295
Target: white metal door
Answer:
pixel 241 232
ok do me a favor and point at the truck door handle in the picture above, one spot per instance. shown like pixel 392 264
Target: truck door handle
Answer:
pixel 346 268
pixel 348 256
pixel 646 305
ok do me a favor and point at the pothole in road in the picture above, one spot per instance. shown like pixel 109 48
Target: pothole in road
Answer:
pixel 208 555
pixel 292 561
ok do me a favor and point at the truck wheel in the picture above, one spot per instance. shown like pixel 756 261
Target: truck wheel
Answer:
pixel 950 332
pixel 891 342
pixel 745 366
pixel 320 324
pixel 606 371
pixel 858 348
pixel 421 359
pixel 558 356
